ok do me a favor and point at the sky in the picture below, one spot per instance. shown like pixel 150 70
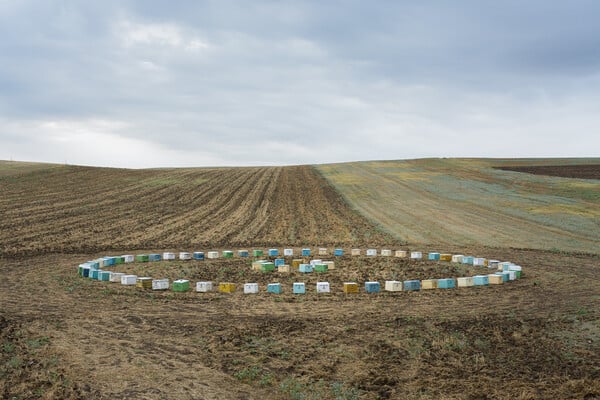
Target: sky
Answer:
pixel 146 83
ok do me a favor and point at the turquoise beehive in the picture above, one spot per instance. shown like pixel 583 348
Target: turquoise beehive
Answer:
pixel 412 285
pixel 279 262
pixel 198 255
pixel 104 276
pixel 481 280
pixel 273 253
pixel 505 275
pixel 434 256
pixel 468 260
pixel 154 257
pixel 243 253
pixel 305 252
pixel 447 283
pixel 372 287
pixel 306 268
pixel 338 252
pixel 94 273
pixel 299 288
pixel 109 261
pixel 274 288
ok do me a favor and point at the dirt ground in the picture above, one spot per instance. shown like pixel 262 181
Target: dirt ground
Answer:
pixel 68 337
pixel 590 171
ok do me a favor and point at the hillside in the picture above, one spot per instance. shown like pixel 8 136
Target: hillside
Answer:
pixel 472 202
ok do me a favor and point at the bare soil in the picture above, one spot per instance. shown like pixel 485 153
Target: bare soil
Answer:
pixel 585 171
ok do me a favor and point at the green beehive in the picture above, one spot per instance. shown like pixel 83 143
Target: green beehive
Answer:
pixel 119 260
pixel 181 285
pixel 142 258
pixel 267 267
pixel 257 253
pixel 321 268
pixel 227 254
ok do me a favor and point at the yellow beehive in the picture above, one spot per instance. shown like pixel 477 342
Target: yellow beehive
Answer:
pixel 429 284
pixel 144 283
pixel 445 257
pixel 401 253
pixel 355 252
pixel 283 268
pixel 495 279
pixel 330 265
pixel 350 287
pixel 296 263
pixel 226 287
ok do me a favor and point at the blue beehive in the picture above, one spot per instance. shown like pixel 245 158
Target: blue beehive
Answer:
pixel 306 268
pixel 109 261
pixel 412 285
pixel 154 257
pixel 198 255
pixel 85 272
pixel 372 287
pixel 505 275
pixel 434 256
pixel 243 253
pixel 467 260
pixel 274 288
pixel 338 252
pixel 481 280
pixel 273 253
pixel 305 252
pixel 447 283
pixel 299 288
pixel 279 262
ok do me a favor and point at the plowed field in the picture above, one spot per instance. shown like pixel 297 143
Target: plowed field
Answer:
pixel 66 337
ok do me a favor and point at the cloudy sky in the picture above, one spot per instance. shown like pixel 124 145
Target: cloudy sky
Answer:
pixel 202 83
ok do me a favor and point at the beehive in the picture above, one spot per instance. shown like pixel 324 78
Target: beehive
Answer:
pixel 393 286
pixel 401 253
pixel 129 258
pixel 504 266
pixel 479 262
pixel 274 288
pixel 322 251
pixel 298 288
pixel 109 261
pixel 350 287
pixel 119 260
pixel 315 262
pixel 204 286
pixel 338 252
pixel 505 275
pixel 296 263
pixel 445 257
pixel 181 285
pixel 412 285
pixel 213 254
pixel 371 252
pixel 184 255
pixel 168 256
pixel 320 268
pixel 128 279
pixel 94 273
pixel 433 256
pixel 198 255
pixel 267 267
pixel 512 275
pixel 257 265
pixel 257 253
pixel 517 270
pixel 446 283
pixel 355 252
pixel 85 272
pixel 493 264
pixel 93 264
pixel 330 265
pixel 288 252
pixel 305 268
pixel 226 287
pixel 372 287
pixel 279 261
pixel 104 276
pixel 468 260
pixel 154 257
pixel 283 269
pixel 494 279
pixel 144 282
pixel 250 288
pixel 416 255
pixel 160 284
pixel 227 254
pixel 273 253
pixel 116 277
pixel 305 252
pixel 465 281
pixel 481 280
pixel 386 253
pixel 100 262
pixel 323 287
pixel 457 258
pixel 243 253
pixel 428 284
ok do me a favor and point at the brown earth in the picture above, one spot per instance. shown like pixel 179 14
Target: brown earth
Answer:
pixel 66 337
pixel 589 171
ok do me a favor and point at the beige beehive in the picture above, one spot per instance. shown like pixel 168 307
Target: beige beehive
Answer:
pixel 213 254
pixel 494 279
pixel 322 251
pixel 401 253
pixel 429 284
pixel 283 269
pixel 355 252
pixel 386 253
pixel 330 265
pixel 457 258
pixel 465 281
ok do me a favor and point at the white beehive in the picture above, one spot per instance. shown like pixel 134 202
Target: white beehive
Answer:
pixel 479 262
pixel 393 286
pixel 416 255
pixel 168 256
pixel 184 255
pixel 465 281
pixel 128 279
pixel 371 252
pixel 213 254
pixel 128 258
pixel 116 277
pixel 288 252
pixel 250 288
pixel 204 287
pixel 323 287
pixel 386 253
pixel 493 264
pixel 457 258
pixel 315 262
pixel 160 284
